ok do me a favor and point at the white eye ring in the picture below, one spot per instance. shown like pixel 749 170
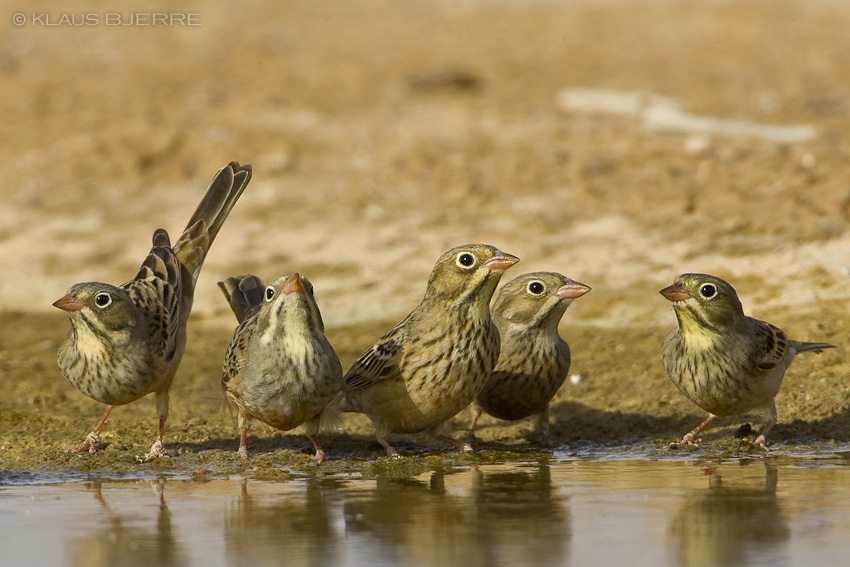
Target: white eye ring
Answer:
pixel 465 261
pixel 103 300
pixel 269 295
pixel 708 291
pixel 535 288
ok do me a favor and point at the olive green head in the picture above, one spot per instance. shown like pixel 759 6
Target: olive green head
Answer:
pixel 468 273
pixel 704 302
pixel 100 306
pixel 538 299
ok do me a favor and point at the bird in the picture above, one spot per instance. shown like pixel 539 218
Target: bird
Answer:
pixel 534 359
pixel 127 341
pixel 280 368
pixel 722 360
pixel 435 362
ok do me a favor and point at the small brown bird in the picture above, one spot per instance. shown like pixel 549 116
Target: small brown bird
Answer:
pixel 722 360
pixel 432 364
pixel 127 341
pixel 534 359
pixel 280 368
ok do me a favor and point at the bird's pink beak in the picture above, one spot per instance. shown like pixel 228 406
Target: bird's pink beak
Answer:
pixel 68 302
pixel 675 292
pixel 501 261
pixel 293 285
pixel 572 290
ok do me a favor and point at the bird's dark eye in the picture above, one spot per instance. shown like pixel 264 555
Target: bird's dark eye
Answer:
pixel 536 287
pixel 269 293
pixel 465 260
pixel 708 291
pixel 102 300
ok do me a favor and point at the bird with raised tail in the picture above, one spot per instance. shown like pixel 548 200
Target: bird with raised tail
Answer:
pixel 534 359
pixel 722 360
pixel 127 341
pixel 435 362
pixel 280 368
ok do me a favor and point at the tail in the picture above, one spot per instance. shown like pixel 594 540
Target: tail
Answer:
pixel 331 419
pixel 810 347
pixel 327 420
pixel 226 187
pixel 243 293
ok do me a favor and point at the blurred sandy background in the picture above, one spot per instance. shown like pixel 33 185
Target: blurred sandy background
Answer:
pixel 382 133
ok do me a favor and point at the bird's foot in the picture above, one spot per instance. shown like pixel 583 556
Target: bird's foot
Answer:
pixel 243 452
pixel 546 441
pixel 319 457
pixel 92 444
pixel 385 443
pixel 688 439
pixel 157 452
pixel 759 442
pixel 462 446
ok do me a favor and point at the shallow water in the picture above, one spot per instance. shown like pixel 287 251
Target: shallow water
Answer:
pixel 782 510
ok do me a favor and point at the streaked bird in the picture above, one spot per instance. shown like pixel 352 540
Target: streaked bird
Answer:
pixel 127 341
pixel 436 361
pixel 280 368
pixel 722 360
pixel 534 359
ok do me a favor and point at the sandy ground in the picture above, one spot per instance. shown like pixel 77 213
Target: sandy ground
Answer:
pixel 383 133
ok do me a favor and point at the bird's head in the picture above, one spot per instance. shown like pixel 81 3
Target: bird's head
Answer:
pixel 468 274
pixel 703 302
pixel 538 299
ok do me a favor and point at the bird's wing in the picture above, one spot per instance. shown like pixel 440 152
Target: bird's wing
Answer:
pixel 156 292
pixel 379 362
pixel 234 360
pixel 771 346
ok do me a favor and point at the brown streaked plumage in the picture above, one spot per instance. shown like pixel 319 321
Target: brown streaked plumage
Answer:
pixel 127 341
pixel 280 368
pixel 722 360
pixel 432 364
pixel 534 359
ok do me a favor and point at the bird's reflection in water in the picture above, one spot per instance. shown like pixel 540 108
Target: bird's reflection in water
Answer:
pixel 730 523
pixel 284 528
pixel 129 537
pixel 509 517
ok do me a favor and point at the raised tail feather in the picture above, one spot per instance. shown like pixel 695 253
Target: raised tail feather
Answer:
pixel 224 190
pixel 810 347
pixel 243 294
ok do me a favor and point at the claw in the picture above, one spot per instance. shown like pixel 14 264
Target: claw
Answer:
pixel 156 452
pixel 92 444
pixel 688 439
pixel 761 443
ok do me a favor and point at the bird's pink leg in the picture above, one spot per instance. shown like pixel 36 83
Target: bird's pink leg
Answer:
pixel 319 457
pixel 157 449
pixel 385 443
pixel 461 446
pixel 243 443
pixel 470 436
pixel 93 442
pixel 760 441
pixel 690 437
